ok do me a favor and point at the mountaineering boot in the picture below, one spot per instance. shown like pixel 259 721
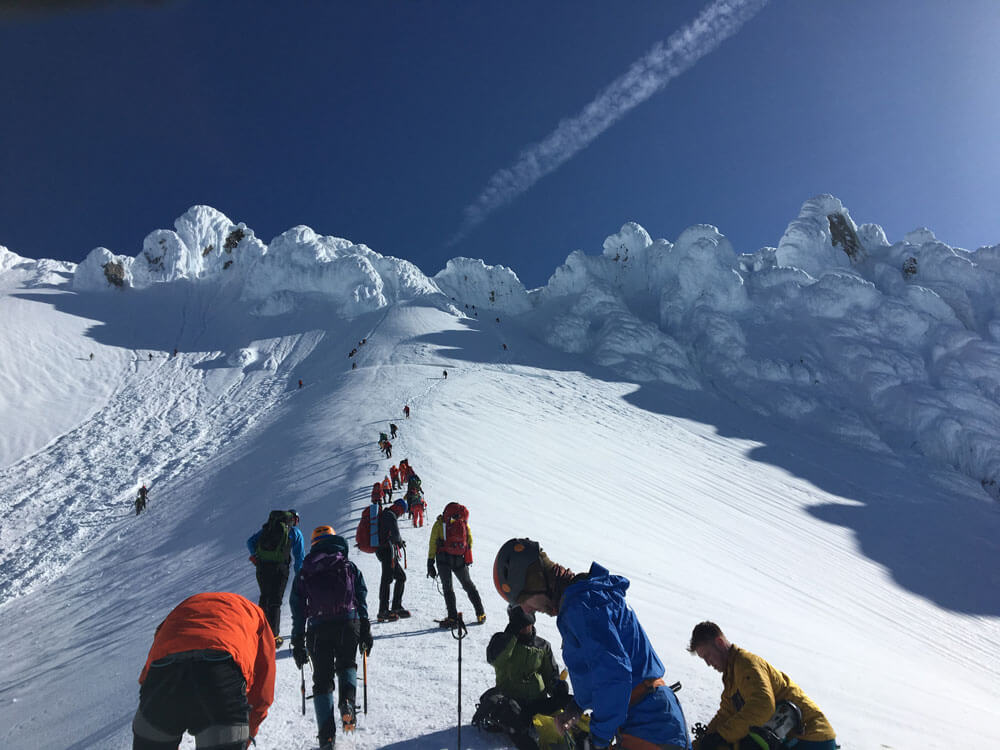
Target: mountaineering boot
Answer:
pixel 450 622
pixel 401 613
pixel 387 616
pixel 477 604
pixel 349 715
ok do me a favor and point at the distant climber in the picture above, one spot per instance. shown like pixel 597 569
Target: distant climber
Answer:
pixel 140 500
pixel 91 356
pixel 445 374
pixel 406 412
pixel 392 430
pixel 394 474
pixel 300 383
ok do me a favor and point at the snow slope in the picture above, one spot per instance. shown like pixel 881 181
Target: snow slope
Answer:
pixel 867 571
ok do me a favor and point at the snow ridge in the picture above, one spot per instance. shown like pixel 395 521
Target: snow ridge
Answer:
pixel 890 346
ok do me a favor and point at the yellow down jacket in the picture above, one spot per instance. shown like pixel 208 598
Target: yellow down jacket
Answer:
pixel 750 690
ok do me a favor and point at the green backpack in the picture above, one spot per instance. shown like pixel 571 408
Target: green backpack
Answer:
pixel 275 541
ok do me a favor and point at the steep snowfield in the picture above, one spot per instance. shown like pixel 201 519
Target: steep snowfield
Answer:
pixel 869 580
pixel 798 452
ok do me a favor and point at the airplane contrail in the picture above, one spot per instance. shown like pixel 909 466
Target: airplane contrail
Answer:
pixel 664 62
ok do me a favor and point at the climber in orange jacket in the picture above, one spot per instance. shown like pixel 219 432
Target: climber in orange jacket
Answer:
pixel 210 672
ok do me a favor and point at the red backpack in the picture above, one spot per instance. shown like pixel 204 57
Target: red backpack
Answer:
pixel 363 537
pixel 455 529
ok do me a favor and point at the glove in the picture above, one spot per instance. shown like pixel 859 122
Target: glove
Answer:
pixel 299 652
pixel 365 640
pixel 519 619
pixel 712 741
pixel 431 570
pixel 253 559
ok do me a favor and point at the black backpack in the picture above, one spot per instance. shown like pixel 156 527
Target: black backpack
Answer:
pixel 496 712
pixel 275 541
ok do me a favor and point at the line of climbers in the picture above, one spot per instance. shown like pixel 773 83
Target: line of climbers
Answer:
pixel 211 667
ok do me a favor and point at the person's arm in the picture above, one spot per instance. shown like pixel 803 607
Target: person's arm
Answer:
pixel 436 536
pixel 252 543
pixel 755 687
pixel 360 593
pixel 609 668
pixel 297 606
pixel 298 548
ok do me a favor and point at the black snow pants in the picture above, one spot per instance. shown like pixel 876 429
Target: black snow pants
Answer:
pixel 272 578
pixel 199 692
pixel 392 570
pixel 448 565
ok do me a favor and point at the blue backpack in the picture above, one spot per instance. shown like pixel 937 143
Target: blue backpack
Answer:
pixel 327 581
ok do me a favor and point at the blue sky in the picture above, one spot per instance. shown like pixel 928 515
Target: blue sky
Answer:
pixel 383 122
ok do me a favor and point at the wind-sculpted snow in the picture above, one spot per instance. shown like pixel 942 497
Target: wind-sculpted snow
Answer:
pixel 207 246
pixel 895 349
pixel 890 345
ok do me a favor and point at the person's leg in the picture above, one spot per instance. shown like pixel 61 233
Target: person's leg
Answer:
pixel 462 574
pixel 447 586
pixel 322 645
pixel 385 558
pixel 397 591
pixel 222 721
pixel 347 672
pixel 272 578
pixel 159 721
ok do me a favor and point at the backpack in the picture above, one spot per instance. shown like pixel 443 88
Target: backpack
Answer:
pixel 274 544
pixel 496 712
pixel 456 532
pixel 366 537
pixel 327 581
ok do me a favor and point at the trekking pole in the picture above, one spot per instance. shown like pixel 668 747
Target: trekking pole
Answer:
pixel 458 632
pixel 302 670
pixel 364 662
pixel 404 557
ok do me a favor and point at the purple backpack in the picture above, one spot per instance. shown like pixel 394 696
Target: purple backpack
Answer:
pixel 328 585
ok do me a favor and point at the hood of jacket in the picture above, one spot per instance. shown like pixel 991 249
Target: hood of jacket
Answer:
pixel 331 544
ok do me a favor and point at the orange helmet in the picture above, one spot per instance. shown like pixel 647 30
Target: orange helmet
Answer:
pixel 322 532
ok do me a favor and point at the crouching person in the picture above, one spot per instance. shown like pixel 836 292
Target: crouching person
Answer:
pixel 529 691
pixel 612 664
pixel 329 624
pixel 210 672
